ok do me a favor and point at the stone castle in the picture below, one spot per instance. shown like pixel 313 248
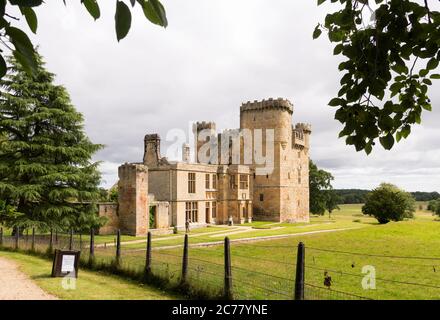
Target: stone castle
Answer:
pixel 162 195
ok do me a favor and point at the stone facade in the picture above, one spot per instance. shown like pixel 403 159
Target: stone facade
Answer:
pixel 210 190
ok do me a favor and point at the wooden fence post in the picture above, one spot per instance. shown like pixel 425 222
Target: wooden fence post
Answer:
pixel 33 240
pixel 92 245
pixel 51 241
pixel 17 237
pixel 118 248
pixel 184 277
pixel 148 256
pixel 228 271
pixel 71 240
pixel 1 236
pixel 56 237
pixel 299 279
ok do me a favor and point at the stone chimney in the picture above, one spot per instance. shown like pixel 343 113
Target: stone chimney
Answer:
pixel 152 150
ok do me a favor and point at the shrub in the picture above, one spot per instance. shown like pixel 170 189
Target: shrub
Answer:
pixel 389 203
pixel 434 206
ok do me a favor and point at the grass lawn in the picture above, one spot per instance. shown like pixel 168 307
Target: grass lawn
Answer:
pixel 89 285
pixel 265 270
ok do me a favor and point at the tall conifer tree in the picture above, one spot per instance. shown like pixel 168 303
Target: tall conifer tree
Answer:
pixel 46 171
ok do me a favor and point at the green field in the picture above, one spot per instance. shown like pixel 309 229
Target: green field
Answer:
pixel 265 269
pixel 405 257
pixel 89 285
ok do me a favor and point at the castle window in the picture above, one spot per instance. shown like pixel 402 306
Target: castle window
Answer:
pixel 299 203
pixel 214 209
pixel 214 181
pixel 244 181
pixel 207 181
pixel 255 175
pixel 191 182
pixel 299 154
pixel 261 197
pixel 191 211
pixel 299 176
pixel 288 175
pixel 232 182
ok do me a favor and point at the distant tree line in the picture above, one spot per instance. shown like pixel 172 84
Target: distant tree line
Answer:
pixel 350 196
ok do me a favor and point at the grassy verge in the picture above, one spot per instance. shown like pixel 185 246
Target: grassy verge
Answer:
pixel 89 286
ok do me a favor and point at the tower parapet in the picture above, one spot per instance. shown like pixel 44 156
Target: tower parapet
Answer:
pixel 301 134
pixel 270 103
pixel 305 127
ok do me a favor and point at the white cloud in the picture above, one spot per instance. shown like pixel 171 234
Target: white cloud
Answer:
pixel 213 56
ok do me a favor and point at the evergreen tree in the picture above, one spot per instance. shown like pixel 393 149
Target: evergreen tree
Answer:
pixel 46 172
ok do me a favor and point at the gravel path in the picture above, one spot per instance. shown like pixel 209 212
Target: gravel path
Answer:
pixel 15 285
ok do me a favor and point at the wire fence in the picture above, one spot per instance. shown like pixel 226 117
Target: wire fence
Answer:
pixel 256 271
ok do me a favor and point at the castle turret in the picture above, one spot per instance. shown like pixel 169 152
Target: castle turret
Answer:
pixel 275 194
pixel 268 114
pixel 152 150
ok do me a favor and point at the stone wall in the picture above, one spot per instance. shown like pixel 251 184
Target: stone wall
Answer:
pixel 110 212
pixel 133 199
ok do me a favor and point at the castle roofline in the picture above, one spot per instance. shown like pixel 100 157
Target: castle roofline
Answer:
pixel 280 103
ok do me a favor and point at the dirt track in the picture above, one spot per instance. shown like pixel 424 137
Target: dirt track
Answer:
pixel 15 285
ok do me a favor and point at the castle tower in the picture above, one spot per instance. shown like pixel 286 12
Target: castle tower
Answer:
pixel 275 192
pixel 301 146
pixel 152 150
pixel 133 199
pixel 205 132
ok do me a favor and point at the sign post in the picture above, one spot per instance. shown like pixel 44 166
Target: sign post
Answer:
pixel 65 263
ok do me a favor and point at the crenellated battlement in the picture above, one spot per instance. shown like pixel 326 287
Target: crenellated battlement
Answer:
pixel 305 127
pixel 268 104
pixel 152 137
pixel 199 126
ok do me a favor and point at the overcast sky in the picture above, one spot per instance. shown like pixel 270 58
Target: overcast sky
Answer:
pixel 213 56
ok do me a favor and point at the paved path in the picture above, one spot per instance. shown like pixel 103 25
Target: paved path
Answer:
pixel 15 285
pixel 253 239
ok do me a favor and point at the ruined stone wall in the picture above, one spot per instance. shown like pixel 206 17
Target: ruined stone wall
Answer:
pixel 133 199
pixel 110 212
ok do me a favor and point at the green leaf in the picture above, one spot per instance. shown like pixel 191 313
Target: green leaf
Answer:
pixel 26 3
pixel 155 12
pixel 122 20
pixel 31 18
pixel 338 49
pixel 387 141
pixel 336 102
pixel 432 64
pixel 320 2
pixel 24 47
pixel 427 106
pixel 435 76
pixel 92 7
pixel 317 32
pixel 368 148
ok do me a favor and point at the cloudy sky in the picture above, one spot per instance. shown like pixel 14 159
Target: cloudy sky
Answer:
pixel 213 56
